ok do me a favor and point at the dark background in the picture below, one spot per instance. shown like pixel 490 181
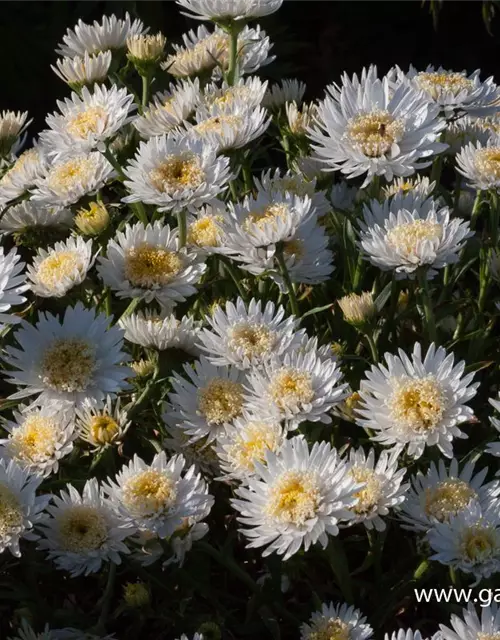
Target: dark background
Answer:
pixel 314 41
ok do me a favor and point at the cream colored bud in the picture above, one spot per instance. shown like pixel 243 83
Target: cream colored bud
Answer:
pixel 146 48
pixel 358 309
pixel 93 220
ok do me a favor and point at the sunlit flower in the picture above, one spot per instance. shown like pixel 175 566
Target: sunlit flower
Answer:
pixel 22 174
pixel 102 425
pixel 248 92
pixel 221 10
pixel 31 216
pixel 93 220
pixel 417 403
pixel 206 229
pixel 341 621
pixel 12 285
pixel 480 165
pixel 146 48
pixel 300 119
pixel 409 634
pixel 161 331
pixel 471 626
pixel 420 187
pixel 296 499
pixel 80 71
pixel 12 126
pixel 358 309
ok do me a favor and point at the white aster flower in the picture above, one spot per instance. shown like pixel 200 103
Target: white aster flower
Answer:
pixel 102 424
pixel 302 385
pixel 83 530
pixel 12 126
pixel 494 447
pixel 471 626
pixel 145 262
pixel 22 174
pixel 185 535
pixel 68 180
pixel 161 331
pixel 248 337
pixel 336 621
pixel 206 229
pixel 420 187
pixel 480 165
pixel 110 34
pixel 222 10
pixel 444 492
pixel 409 634
pixel 176 174
pixel 418 402
pixel 300 119
pixel 405 233
pixel 169 109
pixel 343 196
pixel 247 91
pixel 246 442
pixel 20 508
pixel 158 497
pixel 12 285
pixel 296 500
pixel 465 130
pixel 29 216
pixel 288 90
pixel 469 541
pixel 454 92
pixel 365 127
pixel 69 362
pixel 382 488
pixel 39 438
pixel 58 269
pixel 87 120
pixel 206 400
pixel 79 71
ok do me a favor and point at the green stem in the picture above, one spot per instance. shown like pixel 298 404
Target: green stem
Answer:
pixel 145 90
pixel 476 209
pixel 427 304
pixel 494 216
pixel 456 193
pixel 288 282
pixel 233 274
pixel 373 347
pixel 108 303
pixel 182 227
pixel 106 599
pixel 233 71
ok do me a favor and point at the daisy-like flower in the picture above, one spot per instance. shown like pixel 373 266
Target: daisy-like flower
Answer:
pixel 247 91
pixel 480 165
pixel 87 120
pixel 454 92
pixel 20 508
pixel 184 536
pixel 234 10
pixel 83 70
pixel 382 488
pixel 417 403
pixel 405 233
pixel 110 34
pixel 69 362
pixel 300 119
pixel 246 442
pixel 208 399
pixel 296 499
pixel 161 331
pixel 146 262
pixel 366 127
pixel 93 220
pixel 494 447
pixel 206 230
pixel 158 497
pixel 23 174
pixel 445 492
pixel 176 174
pixel 12 285
pixel 248 337
pixel 83 530
pixel 39 438
pixel 12 126
pixel 30 216
pixel 299 386
pixel 60 268
pixel 227 127
pixel 169 109
pixel 420 187
pixel 102 425
pixel 336 621
pixel 288 90
pixel 469 541
pixel 68 180
pixel 471 626
pixel 464 130
pixel 409 634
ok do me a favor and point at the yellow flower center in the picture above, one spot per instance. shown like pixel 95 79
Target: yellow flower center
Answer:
pixel 351 404
pixel 67 365
pixel 218 124
pixel 448 498
pixel 251 445
pixel 407 237
pixel 253 340
pixel 291 387
pixel 86 122
pixel 369 496
pixel 417 404
pixel 437 84
pixel 11 514
pixel 82 528
pixel 149 491
pixel 35 440
pixel 220 401
pixel 229 96
pixel 479 543
pixel 147 266
pixel 487 162
pixel 176 173
pixel 488 636
pixel 103 429
pixel 59 265
pixel 68 175
pixel 295 498
pixel 205 231
pixel 267 216
pixel 330 629
pixel 399 187
pixel 374 133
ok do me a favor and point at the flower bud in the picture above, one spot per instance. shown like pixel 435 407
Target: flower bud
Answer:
pixel 358 310
pixel 136 595
pixel 93 220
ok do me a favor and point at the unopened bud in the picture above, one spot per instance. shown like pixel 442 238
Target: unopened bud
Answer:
pixel 93 220
pixel 146 50
pixel 136 595
pixel 358 309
